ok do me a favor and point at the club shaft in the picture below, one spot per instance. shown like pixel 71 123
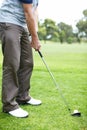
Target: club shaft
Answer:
pixel 55 83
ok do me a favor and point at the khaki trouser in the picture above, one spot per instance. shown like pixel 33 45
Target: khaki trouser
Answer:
pixel 17 65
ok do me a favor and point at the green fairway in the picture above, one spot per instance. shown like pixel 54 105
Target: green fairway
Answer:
pixel 68 63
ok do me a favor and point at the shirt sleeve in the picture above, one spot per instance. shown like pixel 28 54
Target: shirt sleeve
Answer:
pixel 26 1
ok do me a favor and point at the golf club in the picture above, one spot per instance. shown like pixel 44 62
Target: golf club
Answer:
pixel 76 112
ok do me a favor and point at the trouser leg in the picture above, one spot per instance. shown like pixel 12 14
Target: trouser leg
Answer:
pixel 10 37
pixel 25 69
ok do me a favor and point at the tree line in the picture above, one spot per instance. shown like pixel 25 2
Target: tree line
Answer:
pixel 49 30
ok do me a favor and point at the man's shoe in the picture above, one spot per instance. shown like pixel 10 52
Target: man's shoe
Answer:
pixel 33 101
pixel 19 113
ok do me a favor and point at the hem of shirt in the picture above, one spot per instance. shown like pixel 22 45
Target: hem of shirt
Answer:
pixel 22 25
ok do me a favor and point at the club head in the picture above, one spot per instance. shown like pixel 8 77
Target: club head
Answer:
pixel 76 113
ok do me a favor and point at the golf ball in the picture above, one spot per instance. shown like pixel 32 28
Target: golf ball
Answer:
pixel 75 111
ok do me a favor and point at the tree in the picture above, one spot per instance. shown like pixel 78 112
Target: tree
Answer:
pixel 65 32
pixel 41 31
pixel 48 30
pixel 82 25
pixel 51 30
pixel 85 13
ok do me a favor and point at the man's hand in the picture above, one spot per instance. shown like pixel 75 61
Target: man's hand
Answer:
pixel 35 43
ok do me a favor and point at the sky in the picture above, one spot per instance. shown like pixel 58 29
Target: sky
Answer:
pixel 67 11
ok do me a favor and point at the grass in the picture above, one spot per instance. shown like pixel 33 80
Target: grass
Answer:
pixel 68 64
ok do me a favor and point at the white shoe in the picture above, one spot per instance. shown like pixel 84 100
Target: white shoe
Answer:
pixel 33 101
pixel 19 113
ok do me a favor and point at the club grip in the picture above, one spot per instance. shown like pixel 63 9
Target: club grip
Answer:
pixel 40 54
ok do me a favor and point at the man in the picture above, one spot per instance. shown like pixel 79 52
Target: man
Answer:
pixel 17 22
